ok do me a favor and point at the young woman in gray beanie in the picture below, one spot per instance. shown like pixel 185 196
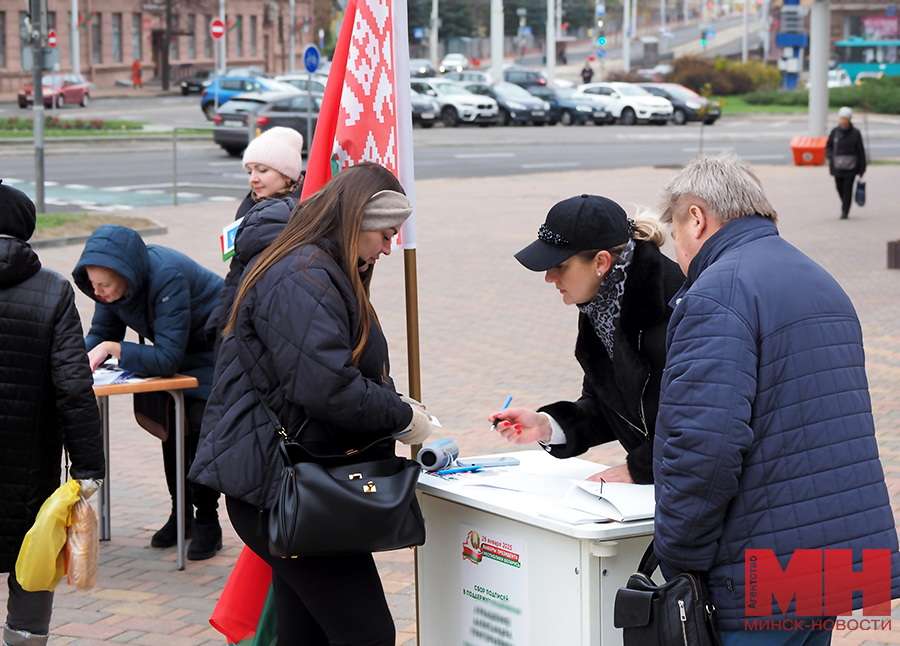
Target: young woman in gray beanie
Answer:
pixel 303 337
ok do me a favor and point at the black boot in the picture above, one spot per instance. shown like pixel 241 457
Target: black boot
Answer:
pixel 166 536
pixel 207 540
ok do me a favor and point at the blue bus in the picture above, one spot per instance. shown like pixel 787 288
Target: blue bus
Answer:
pixel 857 55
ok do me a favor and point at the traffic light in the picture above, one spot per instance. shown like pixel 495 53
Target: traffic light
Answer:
pixel 703 38
pixel 601 36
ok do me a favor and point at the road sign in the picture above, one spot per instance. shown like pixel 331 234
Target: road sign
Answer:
pixel 51 38
pixel 601 8
pixel 601 53
pixel 311 58
pixel 216 28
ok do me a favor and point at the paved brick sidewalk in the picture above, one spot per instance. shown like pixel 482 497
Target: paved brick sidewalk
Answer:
pixel 488 329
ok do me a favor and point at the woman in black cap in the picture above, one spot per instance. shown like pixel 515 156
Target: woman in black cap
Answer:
pixel 610 267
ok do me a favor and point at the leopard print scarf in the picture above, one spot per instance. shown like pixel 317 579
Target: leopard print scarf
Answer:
pixel 604 310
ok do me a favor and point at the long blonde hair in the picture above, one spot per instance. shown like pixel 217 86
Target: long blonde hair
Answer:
pixel 335 212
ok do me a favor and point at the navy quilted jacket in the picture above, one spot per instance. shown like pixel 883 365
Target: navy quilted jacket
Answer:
pixel 46 395
pixel 765 437
pixel 293 341
pixel 169 302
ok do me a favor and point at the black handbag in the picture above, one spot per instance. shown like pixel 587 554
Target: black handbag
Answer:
pixel 677 612
pixel 345 508
pixel 861 192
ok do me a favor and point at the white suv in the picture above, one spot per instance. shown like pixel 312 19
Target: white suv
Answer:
pixel 458 105
pixel 629 103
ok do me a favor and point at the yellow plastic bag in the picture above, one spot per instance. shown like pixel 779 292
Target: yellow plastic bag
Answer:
pixel 42 559
pixel 82 546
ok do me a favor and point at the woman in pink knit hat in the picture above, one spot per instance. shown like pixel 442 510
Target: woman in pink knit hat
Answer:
pixel 274 166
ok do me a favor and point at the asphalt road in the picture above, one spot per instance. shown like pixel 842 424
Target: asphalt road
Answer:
pixel 139 173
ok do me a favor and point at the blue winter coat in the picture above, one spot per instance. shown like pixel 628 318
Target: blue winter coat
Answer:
pixel 765 437
pixel 169 300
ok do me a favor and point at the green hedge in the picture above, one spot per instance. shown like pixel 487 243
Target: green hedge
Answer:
pixel 723 77
pixel 881 96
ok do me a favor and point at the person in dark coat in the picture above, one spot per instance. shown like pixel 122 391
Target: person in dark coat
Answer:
pixel 587 72
pixel 46 403
pixel 166 298
pixel 765 438
pixel 846 158
pixel 304 338
pixel 275 172
pixel 611 268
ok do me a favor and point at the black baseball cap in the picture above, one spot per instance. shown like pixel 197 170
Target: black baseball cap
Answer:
pixel 581 223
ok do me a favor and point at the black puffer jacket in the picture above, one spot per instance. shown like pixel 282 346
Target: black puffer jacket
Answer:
pixel 46 396
pixel 293 341
pixel 262 224
pixel 620 398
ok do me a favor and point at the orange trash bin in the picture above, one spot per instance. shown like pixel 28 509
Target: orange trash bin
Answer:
pixel 809 151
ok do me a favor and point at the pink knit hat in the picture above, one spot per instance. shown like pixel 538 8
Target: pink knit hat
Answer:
pixel 278 148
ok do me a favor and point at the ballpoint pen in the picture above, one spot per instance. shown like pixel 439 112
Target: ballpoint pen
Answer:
pixel 502 408
pixel 444 472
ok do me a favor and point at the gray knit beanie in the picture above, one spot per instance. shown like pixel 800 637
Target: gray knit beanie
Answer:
pixel 278 148
pixel 385 210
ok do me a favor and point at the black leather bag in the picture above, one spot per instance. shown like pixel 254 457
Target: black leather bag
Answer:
pixel 341 505
pixel 676 612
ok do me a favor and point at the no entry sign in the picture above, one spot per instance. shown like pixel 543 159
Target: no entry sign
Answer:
pixel 216 28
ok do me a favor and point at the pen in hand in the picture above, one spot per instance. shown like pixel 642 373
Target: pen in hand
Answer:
pixel 503 408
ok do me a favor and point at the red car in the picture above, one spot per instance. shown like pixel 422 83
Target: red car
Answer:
pixel 59 90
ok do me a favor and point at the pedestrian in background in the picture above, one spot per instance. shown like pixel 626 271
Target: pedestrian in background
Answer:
pixel 587 72
pixel 765 437
pixel 274 166
pixel 46 403
pixel 137 74
pixel 304 338
pixel 166 298
pixel 611 268
pixel 846 158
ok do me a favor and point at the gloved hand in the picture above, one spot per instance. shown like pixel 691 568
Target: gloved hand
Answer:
pixel 412 402
pixel 420 427
pixel 88 487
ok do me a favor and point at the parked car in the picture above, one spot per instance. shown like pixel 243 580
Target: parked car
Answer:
pixel 421 68
pixel 59 90
pixel 231 123
pixel 524 76
pixel 837 77
pixel 303 80
pixel 231 86
pixel 197 81
pixel 629 103
pixel 515 103
pixel 687 105
pixel 425 110
pixel 453 63
pixel 569 107
pixel 457 104
pixel 246 70
pixel 867 75
pixel 469 76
